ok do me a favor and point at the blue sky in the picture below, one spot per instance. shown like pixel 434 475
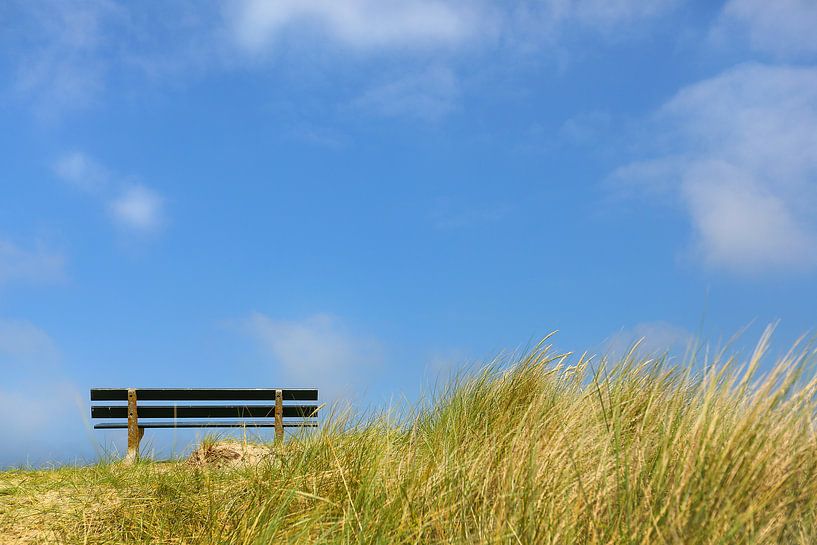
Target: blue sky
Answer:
pixel 357 195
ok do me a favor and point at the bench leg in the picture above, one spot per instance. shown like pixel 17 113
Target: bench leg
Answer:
pixel 135 433
pixel 279 416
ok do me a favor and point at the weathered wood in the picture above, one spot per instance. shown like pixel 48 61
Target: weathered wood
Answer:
pixel 279 415
pixel 204 394
pixel 205 411
pixel 134 433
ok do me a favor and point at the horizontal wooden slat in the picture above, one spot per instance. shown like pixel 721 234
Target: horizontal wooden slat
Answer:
pixel 189 424
pixel 203 394
pixel 203 411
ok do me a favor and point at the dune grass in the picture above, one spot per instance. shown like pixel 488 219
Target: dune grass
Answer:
pixel 551 450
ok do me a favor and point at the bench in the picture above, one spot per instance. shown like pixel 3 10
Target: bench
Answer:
pixel 238 408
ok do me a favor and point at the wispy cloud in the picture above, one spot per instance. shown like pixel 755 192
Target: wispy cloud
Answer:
pixel 360 24
pixel 316 351
pixel 429 38
pixel 138 208
pixel 653 338
pixel 68 55
pixel 38 264
pixel 82 172
pixel 445 365
pixel 428 25
pixel 22 342
pixel 742 166
pixel 61 66
pixel 610 14
pixel 428 95
pixel 586 128
pixel 555 16
pixel 47 430
pixel 784 28
pixel 131 205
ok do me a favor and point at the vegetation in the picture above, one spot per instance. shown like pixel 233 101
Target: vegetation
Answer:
pixel 547 450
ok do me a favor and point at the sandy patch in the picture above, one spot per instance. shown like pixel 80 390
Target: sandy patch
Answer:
pixel 229 454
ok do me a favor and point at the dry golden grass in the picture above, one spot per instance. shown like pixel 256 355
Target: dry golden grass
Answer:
pixel 544 451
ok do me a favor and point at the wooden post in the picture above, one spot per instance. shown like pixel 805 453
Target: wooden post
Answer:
pixel 134 432
pixel 279 416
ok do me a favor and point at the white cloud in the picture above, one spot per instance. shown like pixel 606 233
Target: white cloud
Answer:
pixel 744 223
pixel 68 55
pixel 428 96
pixel 363 24
pixel 429 27
pixel 81 171
pixel 781 27
pixel 31 265
pixel 741 163
pixel 138 208
pixel 654 338
pixel 422 25
pixel 317 351
pixel 133 206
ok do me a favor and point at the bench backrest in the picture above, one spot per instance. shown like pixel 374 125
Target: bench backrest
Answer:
pixel 238 407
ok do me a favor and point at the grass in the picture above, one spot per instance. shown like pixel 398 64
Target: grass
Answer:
pixel 548 450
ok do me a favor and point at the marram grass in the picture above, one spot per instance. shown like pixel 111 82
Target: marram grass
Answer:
pixel 549 450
